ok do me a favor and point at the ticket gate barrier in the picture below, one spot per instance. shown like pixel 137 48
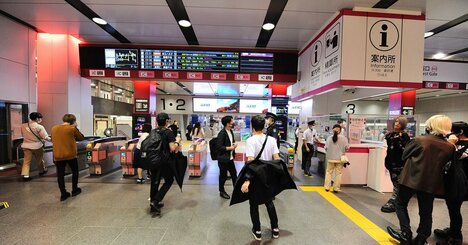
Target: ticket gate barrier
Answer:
pixel 291 161
pixel 197 158
pixel 105 155
pixel 126 157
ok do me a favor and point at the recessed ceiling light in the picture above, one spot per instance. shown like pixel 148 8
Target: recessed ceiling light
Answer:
pixel 185 23
pixel 428 34
pixel 99 21
pixel 439 56
pixel 268 26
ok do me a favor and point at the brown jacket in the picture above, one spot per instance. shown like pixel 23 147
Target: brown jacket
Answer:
pixel 425 158
pixel 64 139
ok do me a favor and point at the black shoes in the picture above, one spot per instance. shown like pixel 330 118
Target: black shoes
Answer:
pixel 64 196
pixel 45 171
pixel 403 237
pixel 275 233
pixel 419 241
pixel 257 235
pixel 76 192
pixel 26 178
pixel 224 195
pixel 442 233
pixel 388 207
pixel 155 209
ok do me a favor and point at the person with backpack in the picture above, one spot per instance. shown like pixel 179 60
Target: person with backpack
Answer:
pixel 226 146
pixel 396 142
pixel 137 153
pixel 34 136
pixel 423 174
pixel 453 234
pixel 155 150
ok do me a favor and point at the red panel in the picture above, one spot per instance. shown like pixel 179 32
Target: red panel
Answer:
pixel 279 89
pixel 358 150
pixel 408 98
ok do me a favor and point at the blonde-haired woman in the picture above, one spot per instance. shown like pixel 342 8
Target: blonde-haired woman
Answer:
pixel 425 158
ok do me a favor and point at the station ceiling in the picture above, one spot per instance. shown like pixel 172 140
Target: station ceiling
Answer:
pixel 234 23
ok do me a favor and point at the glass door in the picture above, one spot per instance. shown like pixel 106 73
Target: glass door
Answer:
pixel 11 118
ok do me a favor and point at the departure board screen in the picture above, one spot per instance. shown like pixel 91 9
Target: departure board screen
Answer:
pixel 256 62
pixel 121 58
pixel 189 60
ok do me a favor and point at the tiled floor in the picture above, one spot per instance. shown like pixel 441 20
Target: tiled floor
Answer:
pixel 114 210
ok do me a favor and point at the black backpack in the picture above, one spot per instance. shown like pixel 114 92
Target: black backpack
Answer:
pixel 456 183
pixel 152 153
pixel 214 148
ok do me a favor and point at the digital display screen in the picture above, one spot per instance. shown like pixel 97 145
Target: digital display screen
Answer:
pixel 121 58
pixel 189 60
pixel 215 105
pixel 254 106
pixel 256 62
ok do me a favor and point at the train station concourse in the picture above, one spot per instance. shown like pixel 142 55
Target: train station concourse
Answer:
pixel 233 122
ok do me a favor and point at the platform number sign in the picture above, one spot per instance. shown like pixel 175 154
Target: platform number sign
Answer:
pixel 351 109
pixel 179 106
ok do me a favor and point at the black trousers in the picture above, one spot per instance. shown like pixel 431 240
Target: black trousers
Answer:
pixel 307 157
pixel 395 178
pixel 456 219
pixel 155 180
pixel 60 165
pixel 296 144
pixel 168 176
pixel 224 167
pixel 425 205
pixel 254 216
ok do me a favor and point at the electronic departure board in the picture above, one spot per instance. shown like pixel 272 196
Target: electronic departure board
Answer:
pixel 256 62
pixel 189 60
pixel 121 58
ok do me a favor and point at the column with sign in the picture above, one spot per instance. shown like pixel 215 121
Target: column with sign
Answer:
pixel 144 106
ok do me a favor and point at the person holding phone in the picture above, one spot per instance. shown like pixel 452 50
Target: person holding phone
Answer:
pixel 64 137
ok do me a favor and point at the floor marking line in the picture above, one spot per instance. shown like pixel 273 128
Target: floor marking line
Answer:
pixel 373 230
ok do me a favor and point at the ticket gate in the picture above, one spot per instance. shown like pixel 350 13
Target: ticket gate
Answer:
pixel 18 154
pixel 126 157
pixel 105 155
pixel 287 154
pixel 197 158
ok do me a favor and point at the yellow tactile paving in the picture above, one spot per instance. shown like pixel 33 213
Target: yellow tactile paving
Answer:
pixel 374 231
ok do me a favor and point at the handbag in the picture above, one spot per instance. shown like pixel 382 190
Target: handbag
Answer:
pixel 344 160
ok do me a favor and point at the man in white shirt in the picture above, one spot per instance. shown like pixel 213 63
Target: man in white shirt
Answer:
pixel 34 137
pixel 309 138
pixel 270 152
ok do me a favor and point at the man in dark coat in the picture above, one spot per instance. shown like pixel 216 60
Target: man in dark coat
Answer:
pixel 272 130
pixel 226 147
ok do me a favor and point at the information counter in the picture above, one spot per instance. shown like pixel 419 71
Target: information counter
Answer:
pixel 366 166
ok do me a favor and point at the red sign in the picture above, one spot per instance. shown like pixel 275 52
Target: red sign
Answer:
pixel 431 85
pixel 195 75
pixel 218 76
pixel 242 77
pixel 170 74
pixel 452 86
pixel 146 74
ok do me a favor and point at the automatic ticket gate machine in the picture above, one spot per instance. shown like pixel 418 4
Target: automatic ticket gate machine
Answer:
pixel 197 158
pixel 126 157
pixel 103 155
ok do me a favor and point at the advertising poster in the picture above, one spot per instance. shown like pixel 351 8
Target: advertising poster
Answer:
pixel 357 125
pixel 254 106
pixel 215 105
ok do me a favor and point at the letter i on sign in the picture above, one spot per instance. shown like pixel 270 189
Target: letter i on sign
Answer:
pixel 383 36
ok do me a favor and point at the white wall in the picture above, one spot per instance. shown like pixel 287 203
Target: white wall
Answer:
pixel 453 107
pixel 17 63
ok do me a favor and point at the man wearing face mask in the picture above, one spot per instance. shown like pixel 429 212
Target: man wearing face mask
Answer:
pixel 272 130
pixel 309 138
pixel 226 147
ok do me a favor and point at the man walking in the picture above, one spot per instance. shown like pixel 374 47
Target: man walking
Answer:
pixel 226 151
pixel 34 136
pixel 168 145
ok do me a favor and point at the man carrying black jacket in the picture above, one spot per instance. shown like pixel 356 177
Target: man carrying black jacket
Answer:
pixel 226 151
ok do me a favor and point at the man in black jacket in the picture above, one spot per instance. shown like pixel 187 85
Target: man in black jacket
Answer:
pixel 226 152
